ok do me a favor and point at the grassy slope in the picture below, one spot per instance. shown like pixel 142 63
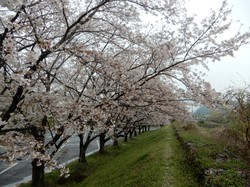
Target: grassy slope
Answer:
pixel 153 159
pixel 213 154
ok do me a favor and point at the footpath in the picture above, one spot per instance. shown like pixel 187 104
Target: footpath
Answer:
pixel 178 172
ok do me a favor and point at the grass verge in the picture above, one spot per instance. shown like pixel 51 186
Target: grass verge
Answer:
pixel 152 159
pixel 216 163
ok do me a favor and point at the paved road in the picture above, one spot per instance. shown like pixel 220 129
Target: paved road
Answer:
pixel 11 175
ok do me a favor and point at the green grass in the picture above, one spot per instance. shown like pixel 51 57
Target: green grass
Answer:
pixel 153 159
pixel 210 153
pixel 178 172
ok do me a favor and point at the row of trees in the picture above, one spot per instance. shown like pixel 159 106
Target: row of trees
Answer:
pixel 98 69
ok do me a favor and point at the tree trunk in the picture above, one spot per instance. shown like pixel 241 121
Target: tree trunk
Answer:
pixel 102 143
pixel 135 132
pixel 139 129
pixel 248 137
pixel 142 129
pixel 115 142
pixel 37 173
pixel 148 127
pixel 130 133
pixel 125 137
pixel 82 154
pixel 84 146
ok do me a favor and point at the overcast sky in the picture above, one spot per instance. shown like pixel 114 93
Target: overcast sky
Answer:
pixel 230 70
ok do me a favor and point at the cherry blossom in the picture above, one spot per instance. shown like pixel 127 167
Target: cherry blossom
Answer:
pixel 95 69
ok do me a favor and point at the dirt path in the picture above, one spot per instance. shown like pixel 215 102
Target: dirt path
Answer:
pixel 178 172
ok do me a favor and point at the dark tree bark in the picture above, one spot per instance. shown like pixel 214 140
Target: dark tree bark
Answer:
pixel 117 135
pixel 37 173
pixel 125 136
pixel 142 129
pixel 84 145
pixel 115 142
pixel 130 133
pixel 135 132
pixel 82 152
pixel 38 165
pixel 16 99
pixel 102 142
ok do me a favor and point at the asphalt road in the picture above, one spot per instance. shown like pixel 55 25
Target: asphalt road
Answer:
pixel 12 175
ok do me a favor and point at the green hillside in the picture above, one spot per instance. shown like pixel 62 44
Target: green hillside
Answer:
pixel 202 110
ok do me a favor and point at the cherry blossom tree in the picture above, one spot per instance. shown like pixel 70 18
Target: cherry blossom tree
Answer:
pixel 90 68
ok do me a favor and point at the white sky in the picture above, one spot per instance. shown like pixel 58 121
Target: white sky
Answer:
pixel 230 70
